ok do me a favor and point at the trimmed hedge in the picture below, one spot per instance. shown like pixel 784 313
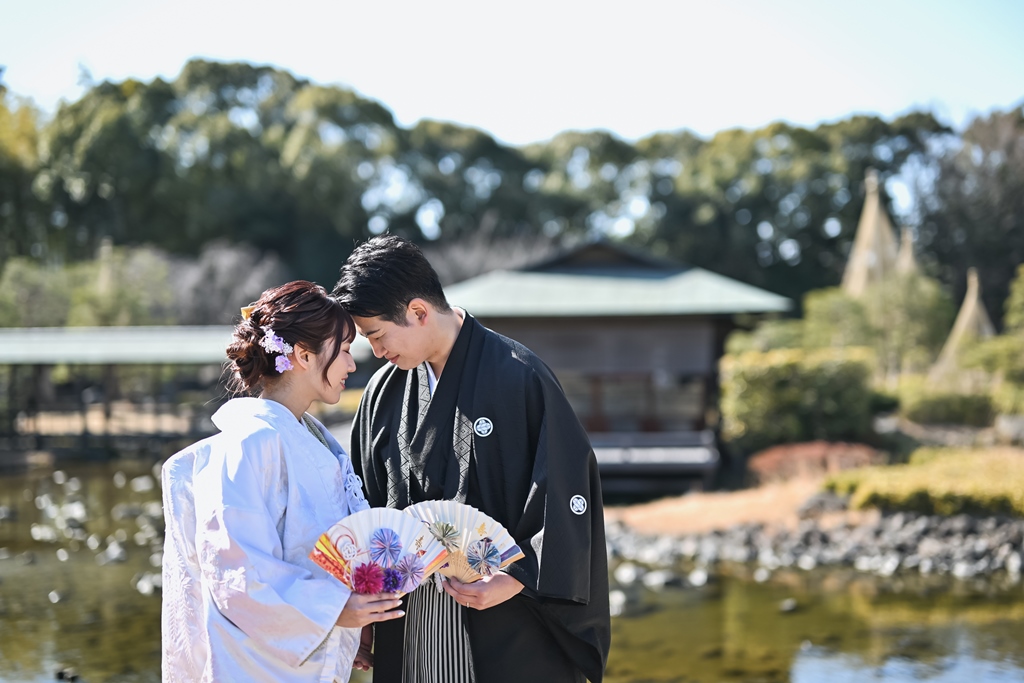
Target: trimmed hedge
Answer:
pixel 791 395
pixel 975 410
pixel 941 481
pixel 1009 399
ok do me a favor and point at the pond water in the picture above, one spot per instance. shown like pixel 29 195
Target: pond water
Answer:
pixel 79 547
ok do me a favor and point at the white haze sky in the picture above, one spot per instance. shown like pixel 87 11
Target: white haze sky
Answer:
pixel 525 71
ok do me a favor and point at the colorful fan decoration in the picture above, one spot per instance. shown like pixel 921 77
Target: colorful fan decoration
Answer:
pixel 379 550
pixel 478 546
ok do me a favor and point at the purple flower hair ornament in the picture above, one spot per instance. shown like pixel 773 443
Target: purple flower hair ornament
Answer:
pixel 272 343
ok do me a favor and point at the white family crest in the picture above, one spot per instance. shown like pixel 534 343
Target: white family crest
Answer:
pixel 578 505
pixel 483 426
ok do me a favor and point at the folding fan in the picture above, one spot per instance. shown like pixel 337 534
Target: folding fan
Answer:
pixel 478 546
pixel 379 550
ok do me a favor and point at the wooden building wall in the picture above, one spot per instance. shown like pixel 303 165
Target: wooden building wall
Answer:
pixel 628 374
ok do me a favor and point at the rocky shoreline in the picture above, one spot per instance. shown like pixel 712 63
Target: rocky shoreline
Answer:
pixel 962 547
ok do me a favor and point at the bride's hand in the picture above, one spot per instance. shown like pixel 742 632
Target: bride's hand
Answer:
pixel 362 609
pixel 364 657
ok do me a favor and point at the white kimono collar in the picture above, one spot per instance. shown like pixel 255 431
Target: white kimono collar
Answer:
pixel 244 412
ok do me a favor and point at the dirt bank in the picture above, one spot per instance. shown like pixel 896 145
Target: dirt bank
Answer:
pixel 771 504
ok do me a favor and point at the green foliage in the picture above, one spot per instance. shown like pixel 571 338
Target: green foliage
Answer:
pixel 1002 357
pixel 753 204
pixel 912 316
pixel 834 319
pixel 790 396
pixel 251 154
pixel 974 211
pixel 941 481
pixel 1003 354
pixel 769 335
pixel 884 402
pixel 20 212
pixel 124 287
pixel 1015 304
pixel 1008 398
pixel 34 296
pixel 974 410
pixel 905 321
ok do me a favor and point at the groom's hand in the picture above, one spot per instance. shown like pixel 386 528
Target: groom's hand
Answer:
pixel 487 592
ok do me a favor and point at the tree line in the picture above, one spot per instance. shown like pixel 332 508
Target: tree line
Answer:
pixel 237 154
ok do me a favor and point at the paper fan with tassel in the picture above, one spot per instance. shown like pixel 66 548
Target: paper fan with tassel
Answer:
pixel 380 550
pixel 477 545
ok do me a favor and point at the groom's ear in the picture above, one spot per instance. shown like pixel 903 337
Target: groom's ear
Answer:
pixel 417 312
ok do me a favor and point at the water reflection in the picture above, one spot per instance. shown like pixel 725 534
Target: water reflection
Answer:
pixel 76 550
pixel 898 630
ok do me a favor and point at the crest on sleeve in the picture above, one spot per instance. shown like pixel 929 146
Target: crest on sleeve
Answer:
pixel 483 426
pixel 578 505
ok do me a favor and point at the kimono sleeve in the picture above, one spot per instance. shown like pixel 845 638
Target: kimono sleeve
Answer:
pixel 564 522
pixel 279 605
pixel 561 526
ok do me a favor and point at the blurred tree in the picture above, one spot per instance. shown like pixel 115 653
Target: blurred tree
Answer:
pixel 34 295
pixel 22 231
pixel 121 287
pixel 769 335
pixel 226 151
pixel 253 155
pixel 1015 304
pixel 1003 356
pixel 473 185
pixel 911 315
pixel 482 252
pixel 137 286
pixel 904 319
pixel 774 207
pixel 832 318
pixel 973 206
pixel 210 290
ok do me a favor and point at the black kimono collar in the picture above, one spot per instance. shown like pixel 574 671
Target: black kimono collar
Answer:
pixel 426 428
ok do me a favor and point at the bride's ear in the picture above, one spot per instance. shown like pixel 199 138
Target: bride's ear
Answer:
pixel 301 356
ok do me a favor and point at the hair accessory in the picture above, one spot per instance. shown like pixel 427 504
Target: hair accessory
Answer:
pixel 247 311
pixel 272 343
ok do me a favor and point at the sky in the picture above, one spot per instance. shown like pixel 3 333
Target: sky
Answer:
pixel 528 70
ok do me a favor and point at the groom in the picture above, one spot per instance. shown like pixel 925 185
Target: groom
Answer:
pixel 462 413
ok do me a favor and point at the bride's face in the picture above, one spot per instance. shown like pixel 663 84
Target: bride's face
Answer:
pixel 330 391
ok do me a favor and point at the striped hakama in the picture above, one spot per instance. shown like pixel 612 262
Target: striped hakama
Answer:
pixel 436 641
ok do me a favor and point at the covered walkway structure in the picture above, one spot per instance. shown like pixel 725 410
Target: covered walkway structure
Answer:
pixel 85 390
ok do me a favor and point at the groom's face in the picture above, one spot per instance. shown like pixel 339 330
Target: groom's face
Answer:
pixel 402 345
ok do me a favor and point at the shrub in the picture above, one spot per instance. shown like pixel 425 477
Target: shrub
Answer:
pixel 973 410
pixel 767 336
pixel 1009 398
pixel 884 402
pixel 790 461
pixel 941 481
pixel 790 396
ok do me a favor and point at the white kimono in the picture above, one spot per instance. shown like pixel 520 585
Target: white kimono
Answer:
pixel 243 509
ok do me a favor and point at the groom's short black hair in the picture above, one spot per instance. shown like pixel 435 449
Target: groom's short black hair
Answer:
pixel 381 277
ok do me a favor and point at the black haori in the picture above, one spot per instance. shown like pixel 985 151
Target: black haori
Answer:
pixel 499 434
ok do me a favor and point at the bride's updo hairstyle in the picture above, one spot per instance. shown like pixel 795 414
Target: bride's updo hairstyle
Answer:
pixel 298 312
